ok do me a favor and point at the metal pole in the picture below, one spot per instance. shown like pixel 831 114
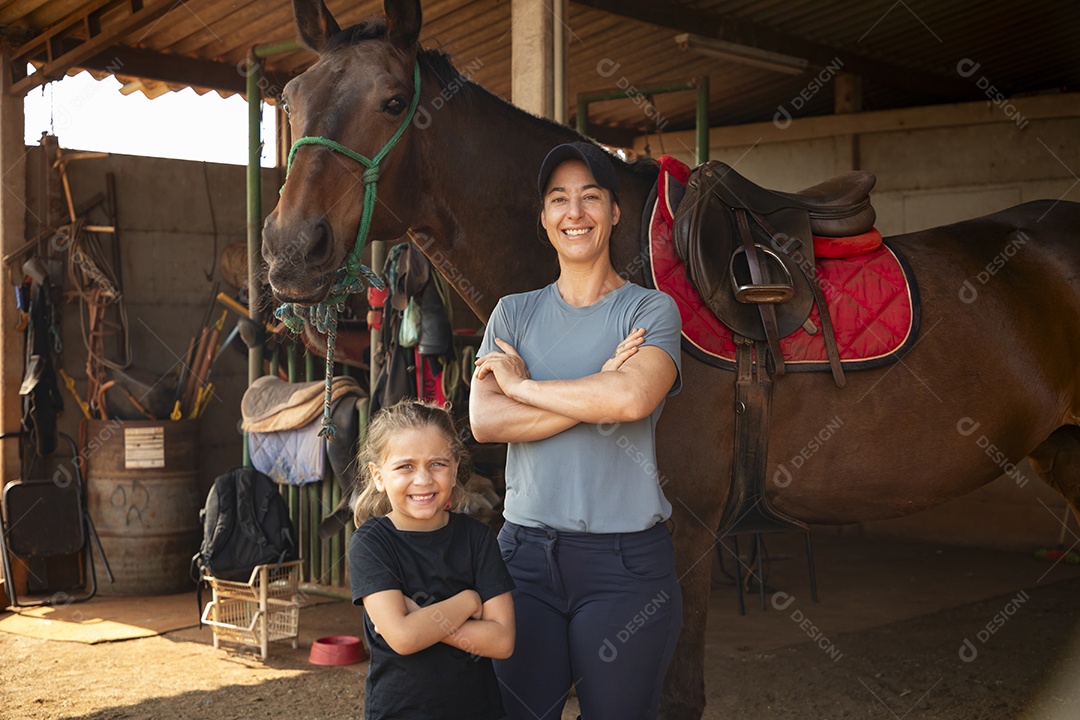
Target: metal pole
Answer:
pixel 701 84
pixel 254 202
pixel 254 223
pixel 702 119
pixel 619 94
pixel 582 115
pixel 262 51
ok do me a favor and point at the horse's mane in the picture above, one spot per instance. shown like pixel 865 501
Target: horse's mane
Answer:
pixel 450 78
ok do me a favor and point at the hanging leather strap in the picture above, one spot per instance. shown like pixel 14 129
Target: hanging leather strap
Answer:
pixel 809 269
pixel 747 508
pixel 768 312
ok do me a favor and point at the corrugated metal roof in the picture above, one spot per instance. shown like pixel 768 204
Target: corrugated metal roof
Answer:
pixel 1020 47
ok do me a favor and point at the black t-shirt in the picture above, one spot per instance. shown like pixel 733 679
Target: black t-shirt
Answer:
pixel 439 682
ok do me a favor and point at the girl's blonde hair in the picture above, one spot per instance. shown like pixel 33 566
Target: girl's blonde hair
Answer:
pixel 388 422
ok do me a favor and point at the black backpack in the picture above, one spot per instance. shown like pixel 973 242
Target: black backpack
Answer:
pixel 245 523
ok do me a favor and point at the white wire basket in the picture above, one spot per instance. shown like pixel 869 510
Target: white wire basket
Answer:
pixel 263 610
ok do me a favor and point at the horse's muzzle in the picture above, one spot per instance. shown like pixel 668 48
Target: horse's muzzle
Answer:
pixel 300 259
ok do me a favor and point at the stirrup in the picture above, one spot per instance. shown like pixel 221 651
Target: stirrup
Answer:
pixel 745 289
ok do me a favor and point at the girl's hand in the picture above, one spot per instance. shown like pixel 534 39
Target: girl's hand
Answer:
pixel 625 350
pixel 478 614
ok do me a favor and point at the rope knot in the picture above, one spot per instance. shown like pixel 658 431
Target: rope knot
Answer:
pixel 371 175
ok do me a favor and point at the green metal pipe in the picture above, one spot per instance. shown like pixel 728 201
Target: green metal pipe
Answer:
pixel 290 356
pixel 701 84
pixel 702 119
pixel 337 557
pixel 254 199
pixel 254 221
pixel 326 505
pixel 262 51
pixel 302 531
pixel 619 94
pixel 314 490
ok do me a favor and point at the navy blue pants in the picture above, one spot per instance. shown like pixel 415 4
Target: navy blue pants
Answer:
pixel 599 611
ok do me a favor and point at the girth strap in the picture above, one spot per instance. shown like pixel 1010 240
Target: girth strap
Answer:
pixel 747 509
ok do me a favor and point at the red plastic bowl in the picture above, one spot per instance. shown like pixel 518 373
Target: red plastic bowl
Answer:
pixel 337 650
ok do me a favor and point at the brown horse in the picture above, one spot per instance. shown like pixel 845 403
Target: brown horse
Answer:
pixel 996 365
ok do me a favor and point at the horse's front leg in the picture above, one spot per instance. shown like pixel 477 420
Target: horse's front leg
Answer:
pixel 695 544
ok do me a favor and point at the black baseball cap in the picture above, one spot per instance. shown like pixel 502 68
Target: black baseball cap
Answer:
pixel 599 163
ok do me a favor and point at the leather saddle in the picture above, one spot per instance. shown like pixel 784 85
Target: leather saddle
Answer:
pixel 749 250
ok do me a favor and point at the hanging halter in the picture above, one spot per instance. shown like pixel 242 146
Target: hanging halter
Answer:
pixel 350 276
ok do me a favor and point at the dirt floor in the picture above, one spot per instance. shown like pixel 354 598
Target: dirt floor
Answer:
pixel 901 631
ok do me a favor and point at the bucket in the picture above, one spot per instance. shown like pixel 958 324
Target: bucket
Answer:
pixel 142 490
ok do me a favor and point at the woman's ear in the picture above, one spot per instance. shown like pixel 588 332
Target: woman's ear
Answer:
pixel 615 213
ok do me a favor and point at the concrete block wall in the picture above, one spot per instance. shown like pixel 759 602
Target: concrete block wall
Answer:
pixel 175 217
pixel 935 165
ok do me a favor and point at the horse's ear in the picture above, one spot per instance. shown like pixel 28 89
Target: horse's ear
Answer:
pixel 314 22
pixel 403 20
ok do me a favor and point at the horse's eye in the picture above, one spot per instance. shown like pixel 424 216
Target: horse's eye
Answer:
pixel 284 103
pixel 395 105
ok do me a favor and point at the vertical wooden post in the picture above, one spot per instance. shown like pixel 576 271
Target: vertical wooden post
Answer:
pixel 533 56
pixel 847 98
pixel 847 93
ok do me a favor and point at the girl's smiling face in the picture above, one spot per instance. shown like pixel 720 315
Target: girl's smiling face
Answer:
pixel 417 473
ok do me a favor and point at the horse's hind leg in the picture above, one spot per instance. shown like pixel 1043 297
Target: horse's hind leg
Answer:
pixel 1057 462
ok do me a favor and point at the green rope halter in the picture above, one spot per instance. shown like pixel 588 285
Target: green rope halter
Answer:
pixel 324 316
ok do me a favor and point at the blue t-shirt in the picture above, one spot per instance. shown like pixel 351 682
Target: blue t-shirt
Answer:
pixel 598 478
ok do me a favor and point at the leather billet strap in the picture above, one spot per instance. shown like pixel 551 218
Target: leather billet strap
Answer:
pixel 768 312
pixel 747 508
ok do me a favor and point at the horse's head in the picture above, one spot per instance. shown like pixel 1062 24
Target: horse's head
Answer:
pixel 357 96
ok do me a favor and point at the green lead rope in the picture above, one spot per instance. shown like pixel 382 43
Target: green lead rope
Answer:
pixel 351 276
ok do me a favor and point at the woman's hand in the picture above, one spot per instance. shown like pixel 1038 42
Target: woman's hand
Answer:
pixel 505 365
pixel 625 350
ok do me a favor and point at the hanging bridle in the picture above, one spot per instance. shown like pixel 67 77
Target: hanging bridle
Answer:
pixel 350 276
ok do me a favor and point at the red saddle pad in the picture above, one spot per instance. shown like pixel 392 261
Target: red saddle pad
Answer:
pixel 872 297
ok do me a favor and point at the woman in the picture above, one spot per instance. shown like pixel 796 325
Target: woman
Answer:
pixel 573 376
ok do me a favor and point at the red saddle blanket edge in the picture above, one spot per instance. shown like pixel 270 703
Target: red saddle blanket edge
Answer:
pixel 872 300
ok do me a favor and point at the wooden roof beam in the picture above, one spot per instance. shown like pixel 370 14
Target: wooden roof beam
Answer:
pixel 181 70
pixel 79 36
pixel 684 19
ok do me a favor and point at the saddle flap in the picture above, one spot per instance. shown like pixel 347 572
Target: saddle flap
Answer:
pixel 706 238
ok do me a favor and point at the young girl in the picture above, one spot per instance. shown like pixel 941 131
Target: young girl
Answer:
pixel 435 591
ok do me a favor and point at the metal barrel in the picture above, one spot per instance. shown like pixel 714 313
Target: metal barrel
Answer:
pixel 143 493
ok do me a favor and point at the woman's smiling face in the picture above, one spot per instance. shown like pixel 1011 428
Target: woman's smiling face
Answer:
pixel 578 213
